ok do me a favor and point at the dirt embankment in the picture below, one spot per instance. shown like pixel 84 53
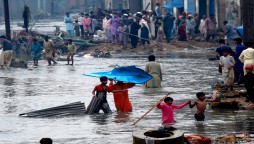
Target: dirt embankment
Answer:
pixel 173 46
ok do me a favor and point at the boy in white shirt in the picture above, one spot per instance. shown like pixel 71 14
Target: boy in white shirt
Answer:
pixel 227 63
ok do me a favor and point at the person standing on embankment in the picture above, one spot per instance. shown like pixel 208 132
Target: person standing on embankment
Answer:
pixel 247 56
pixel 69 24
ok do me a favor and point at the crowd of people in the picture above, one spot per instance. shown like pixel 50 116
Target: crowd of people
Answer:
pixel 236 66
pixel 120 25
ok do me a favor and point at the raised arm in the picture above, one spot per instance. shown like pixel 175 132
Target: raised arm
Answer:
pixel 181 105
pixel 111 85
pixel 129 85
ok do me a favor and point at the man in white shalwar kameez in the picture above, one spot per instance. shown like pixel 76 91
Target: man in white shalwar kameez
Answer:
pixel 154 69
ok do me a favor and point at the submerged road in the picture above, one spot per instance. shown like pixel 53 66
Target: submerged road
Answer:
pixel 24 90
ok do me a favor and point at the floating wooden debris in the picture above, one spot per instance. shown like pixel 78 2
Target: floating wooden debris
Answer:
pixel 194 139
pixel 243 138
pixel 76 108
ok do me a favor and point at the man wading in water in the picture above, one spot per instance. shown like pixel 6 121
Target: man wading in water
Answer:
pixel 100 91
pixel 154 69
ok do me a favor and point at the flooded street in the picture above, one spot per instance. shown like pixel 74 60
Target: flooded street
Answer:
pixel 24 90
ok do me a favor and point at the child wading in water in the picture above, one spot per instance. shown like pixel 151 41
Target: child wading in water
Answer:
pixel 100 91
pixel 168 111
pixel 36 51
pixel 72 51
pixel 201 106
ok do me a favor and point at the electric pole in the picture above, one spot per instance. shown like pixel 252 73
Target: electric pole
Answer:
pixel 7 19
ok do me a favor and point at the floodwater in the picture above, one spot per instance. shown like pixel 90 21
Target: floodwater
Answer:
pixel 24 90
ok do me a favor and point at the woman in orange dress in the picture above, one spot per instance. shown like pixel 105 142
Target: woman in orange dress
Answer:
pixel 121 96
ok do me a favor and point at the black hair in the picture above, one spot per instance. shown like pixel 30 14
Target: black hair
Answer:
pixel 249 44
pixel 225 22
pixel 200 94
pixel 222 41
pixel 226 51
pixel 151 58
pixel 46 141
pixel 120 83
pixel 103 78
pixel 35 40
pixel 168 99
pixel 238 40
pixel 139 15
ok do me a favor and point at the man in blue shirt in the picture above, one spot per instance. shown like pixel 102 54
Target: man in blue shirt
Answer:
pixel 231 33
pixel 168 23
pixel 239 65
pixel 69 24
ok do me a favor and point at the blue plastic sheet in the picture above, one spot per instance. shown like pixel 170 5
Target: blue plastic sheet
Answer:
pixel 130 74
pixel 240 30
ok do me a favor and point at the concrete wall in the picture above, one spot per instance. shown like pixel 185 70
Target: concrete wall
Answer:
pixel 229 10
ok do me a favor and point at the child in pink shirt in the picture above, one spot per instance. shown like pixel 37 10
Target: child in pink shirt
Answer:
pixel 168 110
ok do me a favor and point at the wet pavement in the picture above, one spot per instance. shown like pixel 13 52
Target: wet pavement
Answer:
pixel 24 90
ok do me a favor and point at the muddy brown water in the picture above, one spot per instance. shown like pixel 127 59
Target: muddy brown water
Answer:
pixel 24 90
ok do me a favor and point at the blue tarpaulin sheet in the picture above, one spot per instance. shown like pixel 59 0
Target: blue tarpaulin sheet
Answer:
pixel 130 74
pixel 170 4
pixel 240 30
pixel 168 8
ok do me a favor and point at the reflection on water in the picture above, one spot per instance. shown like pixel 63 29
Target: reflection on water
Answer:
pixel 38 88
pixel 9 81
pixel 101 119
pixel 120 117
